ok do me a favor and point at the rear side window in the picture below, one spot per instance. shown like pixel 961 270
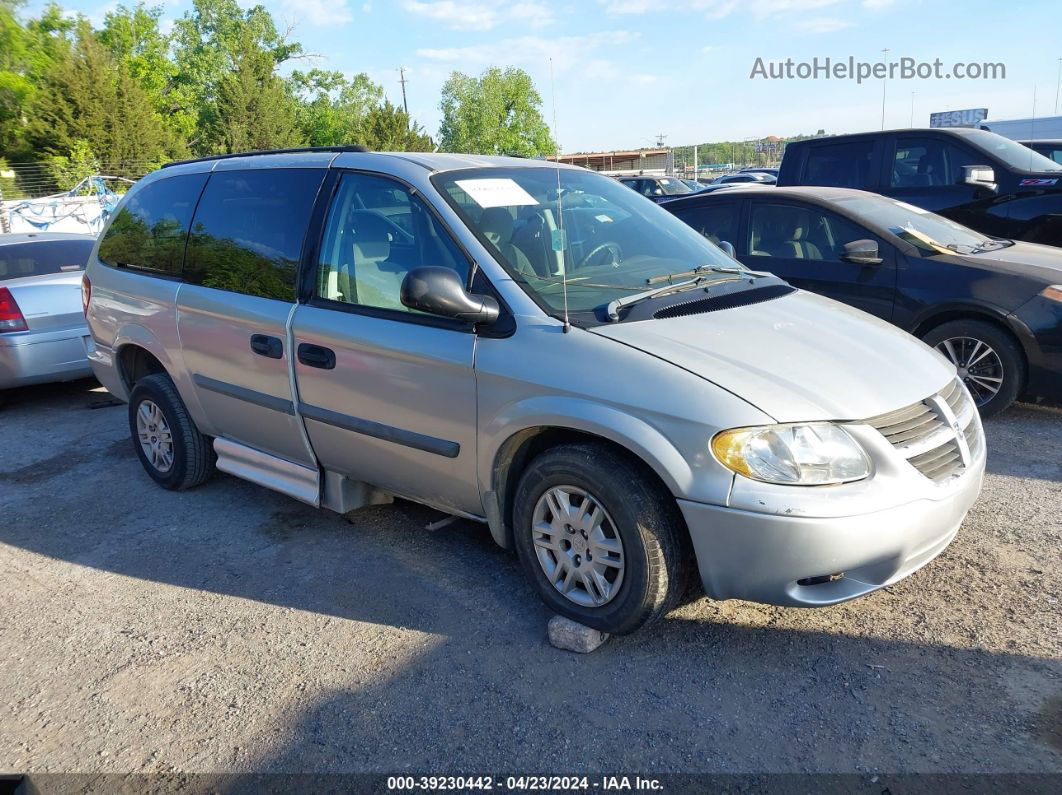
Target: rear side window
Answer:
pixel 149 231
pixel 717 222
pixel 40 258
pixel 248 231
pixel 841 165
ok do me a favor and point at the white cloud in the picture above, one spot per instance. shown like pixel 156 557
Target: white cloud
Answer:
pixel 821 25
pixel 534 13
pixel 535 51
pixel 643 79
pixel 765 9
pixel 459 15
pixel 621 7
pixel 877 5
pixel 319 12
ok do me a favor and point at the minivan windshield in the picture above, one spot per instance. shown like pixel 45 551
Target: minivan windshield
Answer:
pixel 1015 155
pixel 926 231
pixel 606 240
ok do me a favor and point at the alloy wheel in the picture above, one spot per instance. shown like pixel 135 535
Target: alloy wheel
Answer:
pixel 578 546
pixel 978 365
pixel 154 434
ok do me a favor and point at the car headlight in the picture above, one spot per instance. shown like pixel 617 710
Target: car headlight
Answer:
pixel 1053 293
pixel 797 455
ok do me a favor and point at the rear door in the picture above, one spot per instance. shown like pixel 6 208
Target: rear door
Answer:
pixel 803 243
pixel 388 394
pixel 240 275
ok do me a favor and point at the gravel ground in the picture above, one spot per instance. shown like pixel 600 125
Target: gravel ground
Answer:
pixel 233 629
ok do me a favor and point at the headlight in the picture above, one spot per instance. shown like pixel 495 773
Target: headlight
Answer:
pixel 1053 293
pixel 797 455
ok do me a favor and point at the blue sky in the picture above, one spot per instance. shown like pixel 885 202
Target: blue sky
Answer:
pixel 627 70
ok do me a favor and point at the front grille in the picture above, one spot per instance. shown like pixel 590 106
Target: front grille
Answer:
pixel 923 434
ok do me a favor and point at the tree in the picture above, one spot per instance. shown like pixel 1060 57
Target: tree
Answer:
pixel 136 42
pixel 209 42
pixel 68 170
pixel 388 128
pixel 253 109
pixel 87 97
pixel 496 113
pixel 332 109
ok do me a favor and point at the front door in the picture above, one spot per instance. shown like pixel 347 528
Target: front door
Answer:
pixel 804 244
pixel 388 394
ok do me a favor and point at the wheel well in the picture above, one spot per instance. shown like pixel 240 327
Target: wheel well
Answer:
pixel 135 362
pixel 931 323
pixel 521 448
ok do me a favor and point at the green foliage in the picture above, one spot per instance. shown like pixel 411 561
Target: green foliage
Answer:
pixel 68 170
pixel 253 109
pixel 387 128
pixel 496 113
pixel 331 109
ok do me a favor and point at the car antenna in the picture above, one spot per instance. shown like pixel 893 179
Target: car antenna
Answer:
pixel 559 233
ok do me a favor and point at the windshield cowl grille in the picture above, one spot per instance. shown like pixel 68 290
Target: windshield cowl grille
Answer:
pixel 697 306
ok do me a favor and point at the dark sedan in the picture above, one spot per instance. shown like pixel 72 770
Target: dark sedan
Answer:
pixel 992 306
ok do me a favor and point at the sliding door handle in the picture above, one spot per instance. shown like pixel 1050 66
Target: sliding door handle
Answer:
pixel 265 345
pixel 316 356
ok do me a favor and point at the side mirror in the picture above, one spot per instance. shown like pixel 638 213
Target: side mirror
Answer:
pixel 439 291
pixel 979 177
pixel 728 247
pixel 861 252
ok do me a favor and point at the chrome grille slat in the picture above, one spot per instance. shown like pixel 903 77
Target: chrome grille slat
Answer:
pixel 921 434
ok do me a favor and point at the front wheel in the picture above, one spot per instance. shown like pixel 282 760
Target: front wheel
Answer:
pixel 601 541
pixel 987 359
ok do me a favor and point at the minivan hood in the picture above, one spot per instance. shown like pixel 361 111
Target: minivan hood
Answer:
pixel 798 358
pixel 1031 260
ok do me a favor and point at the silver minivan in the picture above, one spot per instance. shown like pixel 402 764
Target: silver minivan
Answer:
pixel 536 347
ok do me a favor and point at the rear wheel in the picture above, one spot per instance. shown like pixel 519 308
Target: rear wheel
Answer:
pixel 987 358
pixel 601 541
pixel 170 448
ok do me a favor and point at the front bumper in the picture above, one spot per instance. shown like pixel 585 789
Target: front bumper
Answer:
pixel 37 357
pixel 762 557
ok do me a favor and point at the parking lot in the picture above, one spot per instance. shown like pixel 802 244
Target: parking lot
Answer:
pixel 232 629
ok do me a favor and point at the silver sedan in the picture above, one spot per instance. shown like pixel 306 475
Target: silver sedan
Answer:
pixel 43 336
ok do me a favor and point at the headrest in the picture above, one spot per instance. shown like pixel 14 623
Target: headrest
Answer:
pixel 496 225
pixel 371 235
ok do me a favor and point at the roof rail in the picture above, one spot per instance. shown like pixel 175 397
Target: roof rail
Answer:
pixel 345 148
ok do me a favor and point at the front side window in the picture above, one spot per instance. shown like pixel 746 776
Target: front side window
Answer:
pixel 550 227
pixel 375 234
pixel 930 163
pixel 248 231
pixel 717 222
pixel 150 230
pixel 789 231
pixel 841 165
pixel 42 257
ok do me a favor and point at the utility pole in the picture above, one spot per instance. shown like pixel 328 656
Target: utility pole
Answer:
pixel 403 81
pixel 1058 84
pixel 884 81
pixel 912 109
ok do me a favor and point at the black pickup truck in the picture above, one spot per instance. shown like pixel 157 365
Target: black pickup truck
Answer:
pixel 980 179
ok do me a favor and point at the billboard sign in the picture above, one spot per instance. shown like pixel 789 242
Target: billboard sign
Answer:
pixel 958 118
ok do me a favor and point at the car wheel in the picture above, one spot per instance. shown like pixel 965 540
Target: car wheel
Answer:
pixel 603 544
pixel 172 450
pixel 987 358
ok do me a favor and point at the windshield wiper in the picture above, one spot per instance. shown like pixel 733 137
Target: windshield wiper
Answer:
pixel 613 308
pixel 699 269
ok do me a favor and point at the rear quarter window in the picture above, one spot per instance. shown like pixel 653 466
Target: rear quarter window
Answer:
pixel 43 257
pixel 840 165
pixel 150 230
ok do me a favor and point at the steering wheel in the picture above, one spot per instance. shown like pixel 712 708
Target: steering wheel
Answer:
pixel 613 248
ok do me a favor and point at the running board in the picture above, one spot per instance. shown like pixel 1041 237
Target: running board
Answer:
pixel 278 474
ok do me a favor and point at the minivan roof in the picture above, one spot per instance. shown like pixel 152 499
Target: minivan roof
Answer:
pixel 42 237
pixel 432 161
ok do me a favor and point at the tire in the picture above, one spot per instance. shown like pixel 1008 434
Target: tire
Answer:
pixel 192 459
pixel 1009 362
pixel 656 555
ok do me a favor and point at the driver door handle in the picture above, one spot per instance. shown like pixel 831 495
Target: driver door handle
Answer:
pixel 316 356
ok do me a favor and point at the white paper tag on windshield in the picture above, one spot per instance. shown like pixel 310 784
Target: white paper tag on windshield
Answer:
pixel 912 208
pixel 495 192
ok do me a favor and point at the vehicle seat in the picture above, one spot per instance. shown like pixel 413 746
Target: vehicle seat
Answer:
pixel 785 235
pixel 533 241
pixel 367 276
pixel 496 224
